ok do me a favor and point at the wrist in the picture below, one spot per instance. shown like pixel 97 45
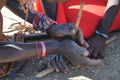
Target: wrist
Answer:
pixel 41 53
pixel 42 22
pixel 52 47
pixel 101 34
pixel 42 49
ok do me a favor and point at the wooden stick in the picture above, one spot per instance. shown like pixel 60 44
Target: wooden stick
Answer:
pixel 79 15
pixel 44 72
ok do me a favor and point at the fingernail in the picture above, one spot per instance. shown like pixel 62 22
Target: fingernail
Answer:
pixel 86 53
pixel 65 72
pixel 67 69
pixel 57 70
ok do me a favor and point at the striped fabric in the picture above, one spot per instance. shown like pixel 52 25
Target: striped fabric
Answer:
pixel 42 22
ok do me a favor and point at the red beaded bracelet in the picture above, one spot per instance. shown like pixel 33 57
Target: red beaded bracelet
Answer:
pixel 43 49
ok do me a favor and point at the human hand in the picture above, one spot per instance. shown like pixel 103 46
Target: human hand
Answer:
pixel 77 54
pixel 62 31
pixel 96 44
pixel 57 62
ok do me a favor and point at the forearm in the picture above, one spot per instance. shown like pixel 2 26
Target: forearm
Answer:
pixel 16 51
pixel 20 51
pixel 110 14
pixel 111 3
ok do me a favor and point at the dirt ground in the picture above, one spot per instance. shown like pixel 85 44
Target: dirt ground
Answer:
pixel 111 70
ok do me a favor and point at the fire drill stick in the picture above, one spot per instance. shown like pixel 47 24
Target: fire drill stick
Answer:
pixel 79 16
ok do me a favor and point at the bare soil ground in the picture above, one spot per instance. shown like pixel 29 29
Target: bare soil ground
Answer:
pixel 111 70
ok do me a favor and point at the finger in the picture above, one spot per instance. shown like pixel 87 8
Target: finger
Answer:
pixel 59 64
pixel 83 50
pixel 81 60
pixel 93 62
pixel 81 39
pixel 49 59
pixel 100 55
pixel 70 29
pixel 90 50
pixel 85 44
pixel 98 62
pixel 63 63
pixel 95 54
pixel 80 36
pixel 53 64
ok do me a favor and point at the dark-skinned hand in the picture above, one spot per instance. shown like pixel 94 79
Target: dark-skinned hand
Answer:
pixel 62 31
pixel 96 46
pixel 76 54
pixel 57 62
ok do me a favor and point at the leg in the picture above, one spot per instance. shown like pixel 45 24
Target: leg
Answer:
pixel 2 37
pixel 2 3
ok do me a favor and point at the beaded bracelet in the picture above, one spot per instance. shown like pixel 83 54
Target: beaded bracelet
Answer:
pixel 101 34
pixel 42 22
pixel 43 50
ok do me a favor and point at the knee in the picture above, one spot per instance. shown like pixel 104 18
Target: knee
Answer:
pixel 2 3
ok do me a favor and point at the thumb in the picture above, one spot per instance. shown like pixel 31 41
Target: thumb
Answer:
pixel 91 62
pixel 81 40
pixel 94 62
pixel 83 51
pixel 85 44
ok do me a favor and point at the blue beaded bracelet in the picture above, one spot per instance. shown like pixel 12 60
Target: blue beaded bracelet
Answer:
pixel 101 34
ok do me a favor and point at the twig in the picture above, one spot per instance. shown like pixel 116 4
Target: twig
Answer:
pixel 44 72
pixel 79 15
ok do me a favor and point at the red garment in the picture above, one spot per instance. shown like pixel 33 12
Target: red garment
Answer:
pixel 92 14
pixel 39 6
